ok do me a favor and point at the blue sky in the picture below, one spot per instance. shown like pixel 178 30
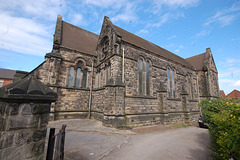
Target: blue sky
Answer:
pixel 184 27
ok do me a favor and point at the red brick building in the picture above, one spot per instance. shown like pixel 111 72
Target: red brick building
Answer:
pixel 234 94
pixel 6 76
pixel 222 94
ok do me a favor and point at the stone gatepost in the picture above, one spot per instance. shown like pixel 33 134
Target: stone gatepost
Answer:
pixel 162 100
pixel 114 111
pixel 24 113
pixel 184 99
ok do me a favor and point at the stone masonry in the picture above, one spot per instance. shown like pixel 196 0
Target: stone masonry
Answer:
pixel 130 81
pixel 24 113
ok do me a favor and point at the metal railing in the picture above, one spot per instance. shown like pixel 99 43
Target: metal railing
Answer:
pixel 56 153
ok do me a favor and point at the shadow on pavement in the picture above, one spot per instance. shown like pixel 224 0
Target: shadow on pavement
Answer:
pixel 204 150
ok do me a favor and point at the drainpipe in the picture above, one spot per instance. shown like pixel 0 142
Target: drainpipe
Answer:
pixel 123 67
pixel 90 95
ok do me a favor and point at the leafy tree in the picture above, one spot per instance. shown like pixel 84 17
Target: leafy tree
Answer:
pixel 223 116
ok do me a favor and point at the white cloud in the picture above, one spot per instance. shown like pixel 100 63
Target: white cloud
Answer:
pixel 229 72
pixel 230 64
pixel 162 20
pixel 229 85
pixel 43 9
pixel 142 32
pixel 203 33
pixel 236 84
pixel 224 17
pixel 27 26
pixel 226 80
pixel 173 47
pixel 172 37
pixel 77 19
pixel 24 35
pixel 106 3
pixel 126 14
pixel 124 10
pixel 176 3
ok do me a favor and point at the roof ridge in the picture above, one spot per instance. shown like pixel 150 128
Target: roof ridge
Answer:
pixel 7 69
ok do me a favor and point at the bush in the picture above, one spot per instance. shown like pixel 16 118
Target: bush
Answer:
pixel 223 116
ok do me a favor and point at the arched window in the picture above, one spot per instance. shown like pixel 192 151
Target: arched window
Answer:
pixel 190 89
pixel 169 83
pixel 144 77
pixel 79 75
pixel 78 78
pixel 70 78
pixel 173 84
pixel 140 70
pixel 147 79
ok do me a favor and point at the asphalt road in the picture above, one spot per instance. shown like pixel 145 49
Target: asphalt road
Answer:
pixel 89 140
pixel 177 144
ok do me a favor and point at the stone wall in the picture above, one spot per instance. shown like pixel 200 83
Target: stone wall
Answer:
pixel 72 103
pixel 24 114
pixel 141 105
pixel 152 109
pixel 98 103
pixel 23 130
pixel 158 72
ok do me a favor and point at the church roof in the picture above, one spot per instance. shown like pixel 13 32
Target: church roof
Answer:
pixel 142 43
pixel 197 61
pixel 79 39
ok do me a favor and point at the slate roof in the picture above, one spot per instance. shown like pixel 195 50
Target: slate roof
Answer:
pixel 234 94
pixel 142 43
pixel 82 40
pixel 79 39
pixel 197 61
pixel 7 73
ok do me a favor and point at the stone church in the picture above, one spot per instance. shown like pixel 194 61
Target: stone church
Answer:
pixel 123 80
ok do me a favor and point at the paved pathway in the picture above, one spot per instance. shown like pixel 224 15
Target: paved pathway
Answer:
pixel 88 139
pixel 175 144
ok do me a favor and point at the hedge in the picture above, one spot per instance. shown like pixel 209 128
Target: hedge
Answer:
pixel 223 117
